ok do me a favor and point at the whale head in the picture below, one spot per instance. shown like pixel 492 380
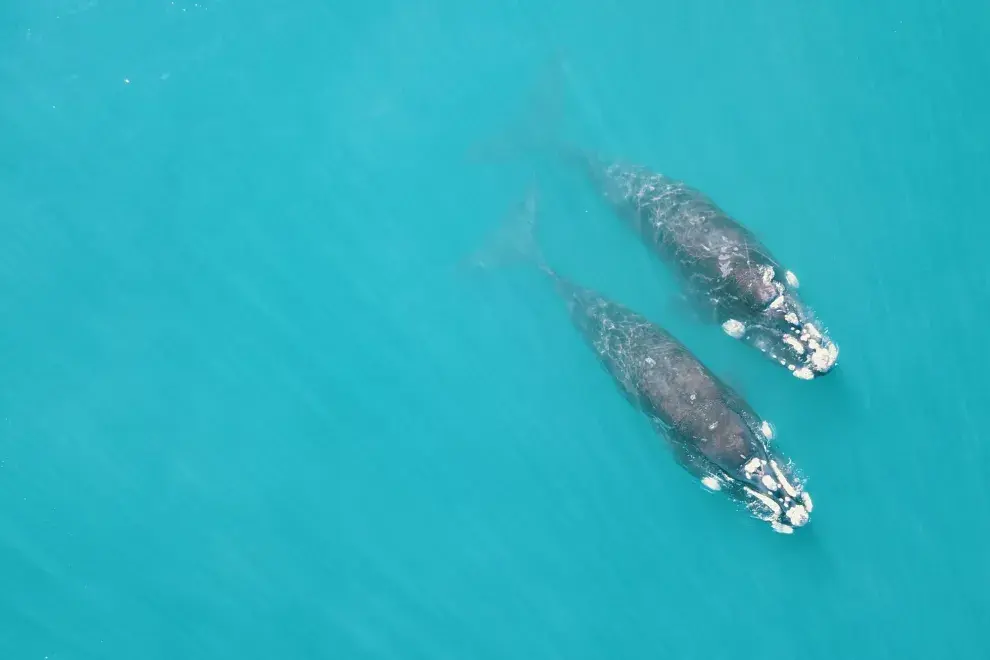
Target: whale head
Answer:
pixel 778 324
pixel 771 493
pixel 737 450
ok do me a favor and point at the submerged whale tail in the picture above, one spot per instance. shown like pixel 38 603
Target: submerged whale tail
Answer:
pixel 534 131
pixel 514 240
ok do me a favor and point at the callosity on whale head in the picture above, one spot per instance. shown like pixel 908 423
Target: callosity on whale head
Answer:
pixel 742 463
pixel 775 496
pixel 762 481
pixel 781 327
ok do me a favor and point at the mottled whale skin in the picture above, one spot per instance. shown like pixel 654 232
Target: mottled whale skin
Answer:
pixel 712 431
pixel 722 266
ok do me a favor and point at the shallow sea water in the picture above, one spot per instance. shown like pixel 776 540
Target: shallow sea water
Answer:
pixel 253 407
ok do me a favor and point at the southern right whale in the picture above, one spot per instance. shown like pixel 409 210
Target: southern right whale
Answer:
pixel 713 433
pixel 723 267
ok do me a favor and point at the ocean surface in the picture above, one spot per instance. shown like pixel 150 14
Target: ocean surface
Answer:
pixel 253 405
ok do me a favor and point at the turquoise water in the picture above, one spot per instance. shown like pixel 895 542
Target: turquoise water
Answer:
pixel 252 408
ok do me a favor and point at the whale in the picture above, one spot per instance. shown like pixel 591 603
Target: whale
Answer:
pixel 725 272
pixel 712 432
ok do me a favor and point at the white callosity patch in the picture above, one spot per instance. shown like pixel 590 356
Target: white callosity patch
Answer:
pixel 766 430
pixel 792 279
pixel 783 480
pixel 804 372
pixel 833 354
pixel 781 528
pixel 769 482
pixel 820 353
pixel 774 508
pixel 794 343
pixel 734 328
pixel 824 353
pixel 797 515
pixel 711 483
pixel 762 344
pixel 821 359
